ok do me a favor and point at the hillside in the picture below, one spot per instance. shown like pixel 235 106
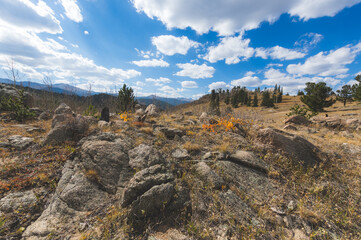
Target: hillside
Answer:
pixel 182 175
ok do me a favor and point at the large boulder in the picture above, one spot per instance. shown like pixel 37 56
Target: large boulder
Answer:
pixel 295 147
pixel 330 122
pixel 11 92
pixel 18 201
pixel 152 110
pixel 66 126
pixel 298 120
pixel 89 181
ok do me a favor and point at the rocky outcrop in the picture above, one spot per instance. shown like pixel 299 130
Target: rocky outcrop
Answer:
pixel 171 133
pixel 89 181
pixel 208 175
pixel 66 126
pixel 144 156
pixel 295 147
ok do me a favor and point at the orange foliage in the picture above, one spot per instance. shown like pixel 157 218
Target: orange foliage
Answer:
pixel 225 124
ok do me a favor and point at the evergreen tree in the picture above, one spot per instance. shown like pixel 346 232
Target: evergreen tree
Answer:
pixel 249 101
pixel 255 101
pixel 214 103
pixel 316 96
pixel 126 98
pixel 234 100
pixel 356 89
pixel 227 98
pixel 266 99
pixel 345 94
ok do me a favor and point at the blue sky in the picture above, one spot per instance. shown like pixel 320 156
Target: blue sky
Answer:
pixel 182 48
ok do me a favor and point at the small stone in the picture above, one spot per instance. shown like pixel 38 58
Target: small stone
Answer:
pixel 180 154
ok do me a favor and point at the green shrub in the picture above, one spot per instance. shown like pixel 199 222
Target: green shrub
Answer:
pixel 301 111
pixel 90 111
pixel 16 106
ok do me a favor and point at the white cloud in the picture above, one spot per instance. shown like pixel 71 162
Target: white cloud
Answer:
pixel 189 84
pixel 159 81
pixel 309 41
pixel 327 64
pixel 86 32
pixel 292 83
pixel 235 49
pixel 140 84
pixel 231 49
pixel 217 85
pixel 72 10
pixel 24 15
pixel 170 45
pixel 280 53
pixel 34 56
pixel 170 92
pixel 195 71
pixel 151 63
pixel 270 65
pixel 228 17
pixel 247 81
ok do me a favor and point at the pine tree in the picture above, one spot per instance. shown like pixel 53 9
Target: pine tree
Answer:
pixel 316 95
pixel 266 99
pixel 249 101
pixel 227 99
pixel 345 94
pixel 126 98
pixel 255 101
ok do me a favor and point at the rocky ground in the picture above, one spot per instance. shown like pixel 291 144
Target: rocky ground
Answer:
pixel 179 176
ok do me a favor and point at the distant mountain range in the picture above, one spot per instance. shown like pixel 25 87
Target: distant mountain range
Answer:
pixel 68 89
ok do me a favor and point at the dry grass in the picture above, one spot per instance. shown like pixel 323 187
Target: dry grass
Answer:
pixel 192 147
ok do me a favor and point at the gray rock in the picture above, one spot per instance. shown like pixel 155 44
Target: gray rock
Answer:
pixel 180 153
pixel 144 156
pixel 298 120
pixel 18 142
pixel 143 181
pixel 108 167
pixel 295 147
pixel 153 201
pixel 248 159
pixel 290 127
pixel 208 175
pixel 66 126
pixel 45 116
pixel 151 110
pixel 214 155
pixel 103 124
pixel 18 201
pixel 170 133
pixel 204 117
pixel 88 181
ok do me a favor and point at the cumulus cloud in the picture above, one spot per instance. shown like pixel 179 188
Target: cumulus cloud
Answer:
pixel 292 83
pixel 169 91
pixel 34 56
pixel 86 32
pixel 230 49
pixel 228 17
pixel 72 10
pixel 235 49
pixel 327 63
pixel 159 81
pixel 151 63
pixel 248 81
pixel 170 45
pixel 217 85
pixel 195 71
pixel 189 84
pixel 280 53
pixel 25 15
